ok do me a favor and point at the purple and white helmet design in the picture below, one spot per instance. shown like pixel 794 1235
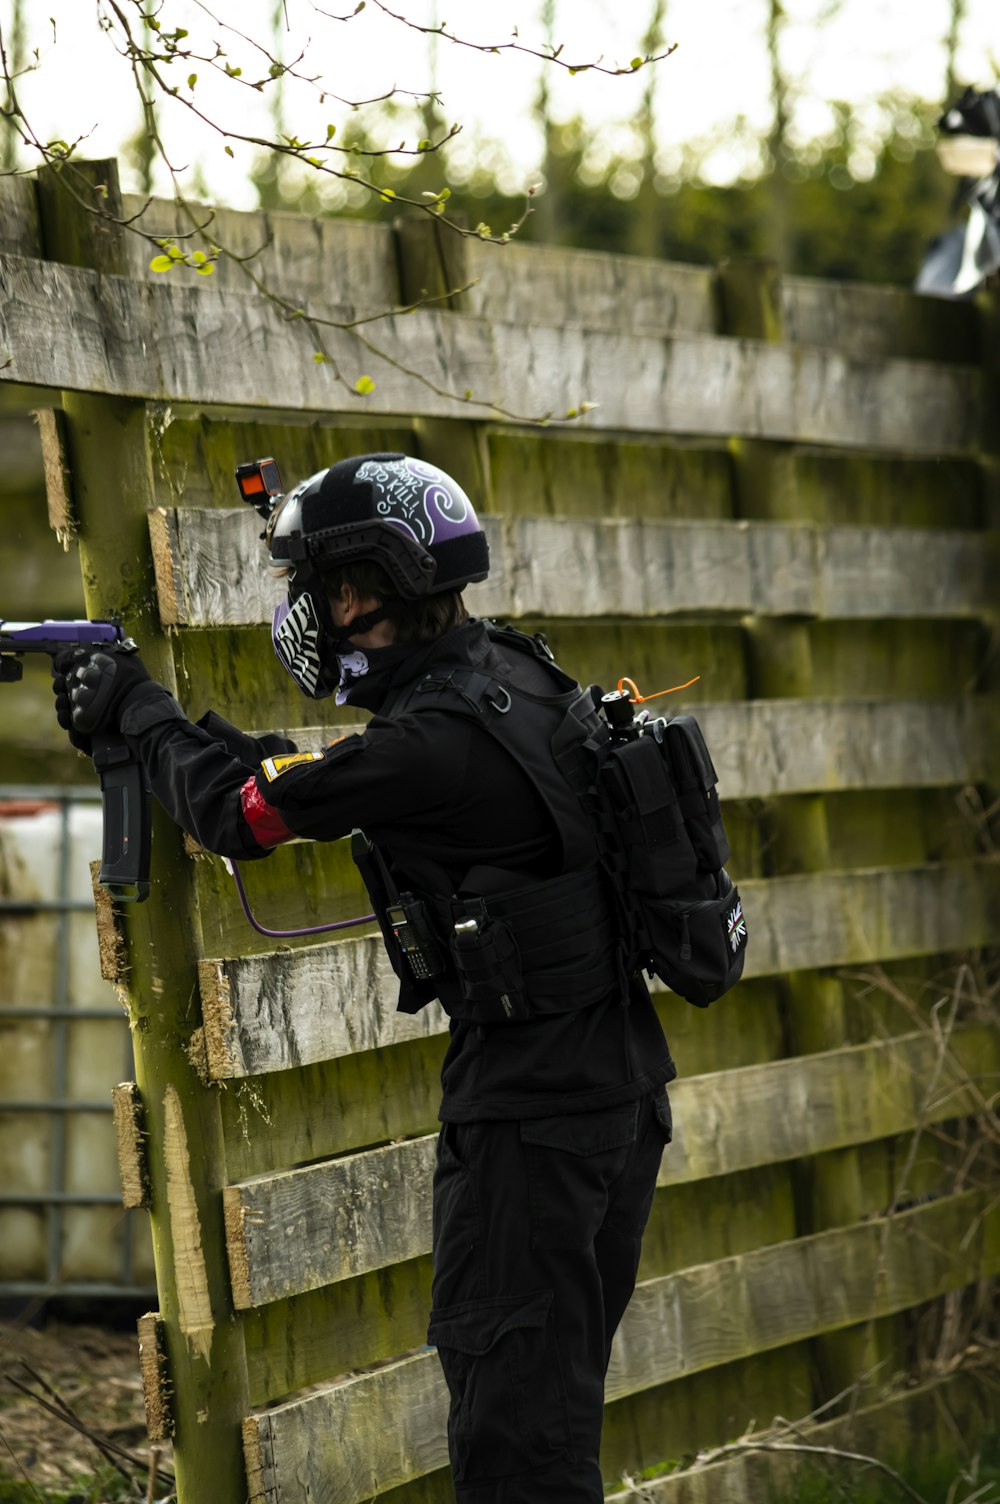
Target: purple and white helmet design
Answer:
pixel 418 498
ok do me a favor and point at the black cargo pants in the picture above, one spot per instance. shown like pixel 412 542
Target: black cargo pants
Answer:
pixel 537 1231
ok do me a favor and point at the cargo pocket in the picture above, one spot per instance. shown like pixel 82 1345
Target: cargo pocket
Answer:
pixel 508 1399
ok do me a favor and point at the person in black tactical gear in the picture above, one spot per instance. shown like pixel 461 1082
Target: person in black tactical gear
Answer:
pixel 483 862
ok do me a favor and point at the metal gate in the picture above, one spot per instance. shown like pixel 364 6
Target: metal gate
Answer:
pixel 64 1042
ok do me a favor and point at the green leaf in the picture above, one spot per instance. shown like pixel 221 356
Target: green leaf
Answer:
pixel 161 264
pixel 233 72
pixel 320 358
pixel 387 195
pixel 364 385
pixel 331 131
pixel 423 145
pixel 636 63
pixel 230 152
pixel 179 34
pixel 192 80
pixel 572 412
pixel 207 269
pixel 198 258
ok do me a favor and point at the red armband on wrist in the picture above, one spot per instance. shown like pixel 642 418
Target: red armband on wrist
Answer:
pixel 266 825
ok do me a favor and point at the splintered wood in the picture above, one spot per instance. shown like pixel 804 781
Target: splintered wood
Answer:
pixel 153 1370
pixel 194 1303
pixel 62 520
pixel 130 1142
pixel 110 941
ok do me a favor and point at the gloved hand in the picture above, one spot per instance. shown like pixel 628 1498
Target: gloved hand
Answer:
pixel 91 688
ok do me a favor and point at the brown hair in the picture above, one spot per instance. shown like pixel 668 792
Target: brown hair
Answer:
pixel 420 620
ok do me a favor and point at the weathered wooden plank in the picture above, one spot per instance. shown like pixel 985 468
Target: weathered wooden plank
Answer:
pixel 868 322
pixel 539 284
pixel 261 1014
pixel 301 1229
pixel 371 1433
pixel 350 264
pixel 174 343
pixel 565 474
pixel 325 1333
pixel 210 569
pixel 765 747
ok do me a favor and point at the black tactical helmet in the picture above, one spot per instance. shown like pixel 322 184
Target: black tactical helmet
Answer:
pixel 389 509
pixel 392 509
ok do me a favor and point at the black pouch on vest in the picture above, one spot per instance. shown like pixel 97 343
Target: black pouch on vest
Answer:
pixel 649 818
pixel 695 779
pixel 698 948
pixel 490 975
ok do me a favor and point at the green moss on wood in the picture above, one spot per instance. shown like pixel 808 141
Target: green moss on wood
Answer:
pixel 742 1028
pixel 672 1422
pixel 713 1219
pixel 286 1118
pixel 194 458
pixel 883 660
pixel 302 884
pixel 580 476
pixel 234 671
pixel 323 1333
pixel 654 654
pixel 781 483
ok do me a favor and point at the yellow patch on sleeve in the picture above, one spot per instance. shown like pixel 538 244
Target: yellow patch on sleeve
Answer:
pixel 274 766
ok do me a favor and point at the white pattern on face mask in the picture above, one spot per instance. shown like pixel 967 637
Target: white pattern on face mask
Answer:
pixel 353 666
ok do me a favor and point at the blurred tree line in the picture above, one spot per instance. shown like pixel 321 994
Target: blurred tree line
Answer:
pixel 807 208
pixel 862 203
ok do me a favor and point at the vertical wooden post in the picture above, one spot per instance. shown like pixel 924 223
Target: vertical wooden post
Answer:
pixel 828 1191
pixel 112 482
pixel 431 261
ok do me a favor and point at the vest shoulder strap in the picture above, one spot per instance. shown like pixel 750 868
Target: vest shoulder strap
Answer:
pixel 551 737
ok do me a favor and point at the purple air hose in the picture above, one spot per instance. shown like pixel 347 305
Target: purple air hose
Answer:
pixel 314 929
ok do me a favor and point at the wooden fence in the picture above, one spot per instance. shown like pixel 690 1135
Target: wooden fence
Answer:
pixel 785 487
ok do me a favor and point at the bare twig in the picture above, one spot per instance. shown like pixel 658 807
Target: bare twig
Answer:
pixel 56 1406
pixel 552 56
pixel 752 1444
pixel 154 1467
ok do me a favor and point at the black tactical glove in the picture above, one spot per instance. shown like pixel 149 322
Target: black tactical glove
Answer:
pixel 91 688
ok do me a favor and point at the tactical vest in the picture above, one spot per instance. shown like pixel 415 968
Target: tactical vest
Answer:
pixel 643 847
pixel 506 946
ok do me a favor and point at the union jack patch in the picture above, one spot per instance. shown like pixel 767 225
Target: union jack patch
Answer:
pixel 736 927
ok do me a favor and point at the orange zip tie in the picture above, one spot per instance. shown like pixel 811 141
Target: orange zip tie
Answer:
pixel 641 699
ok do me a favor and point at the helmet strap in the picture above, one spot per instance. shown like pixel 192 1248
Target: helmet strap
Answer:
pixel 362 624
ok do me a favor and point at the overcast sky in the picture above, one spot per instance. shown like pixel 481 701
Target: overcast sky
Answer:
pixel 833 49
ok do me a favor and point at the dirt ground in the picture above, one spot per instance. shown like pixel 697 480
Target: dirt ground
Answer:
pixel 94 1372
